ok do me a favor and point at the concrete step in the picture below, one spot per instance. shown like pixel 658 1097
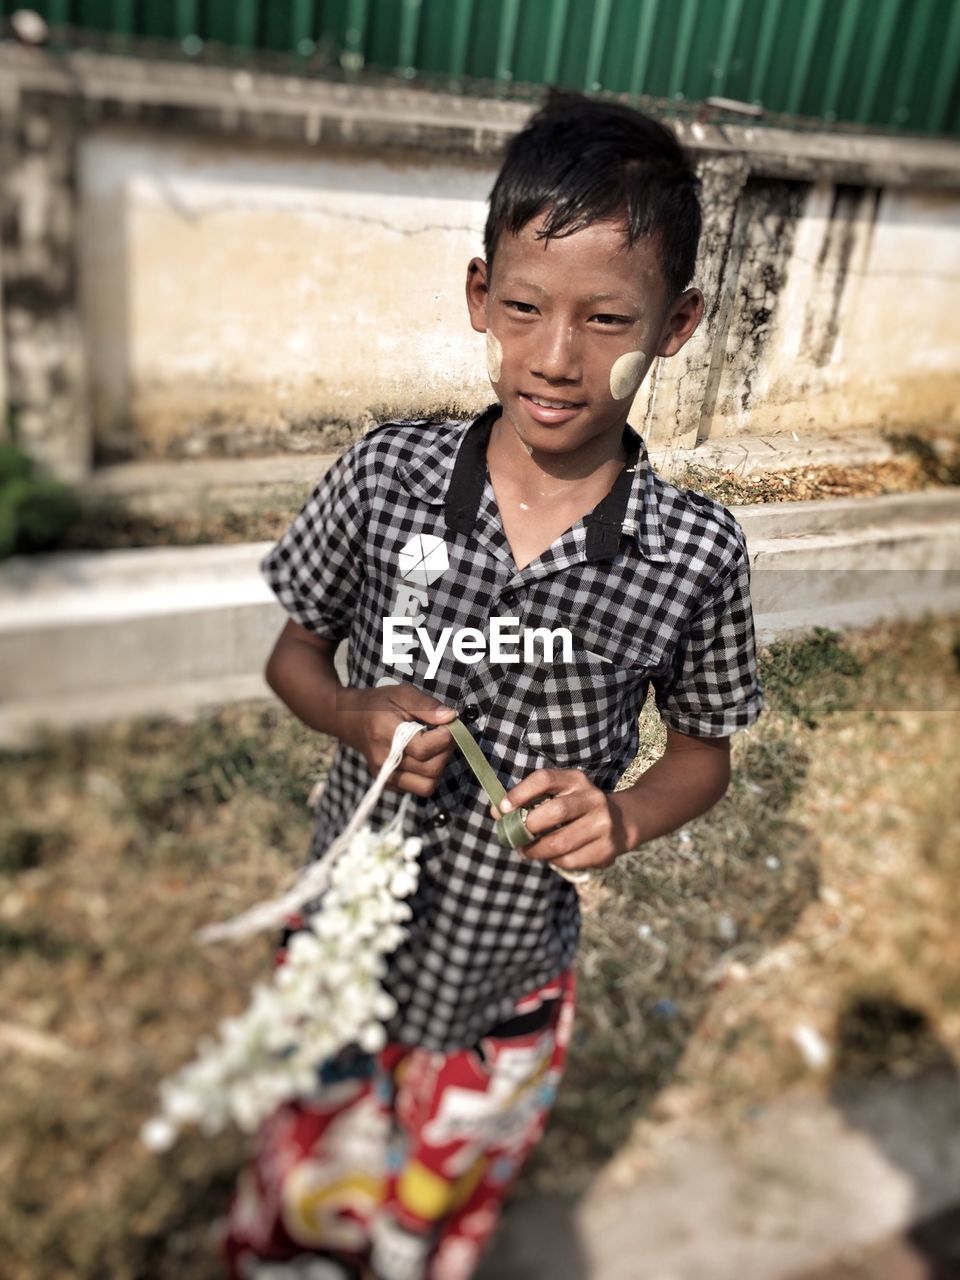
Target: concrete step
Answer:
pixel 852 561
pixel 199 486
pixel 928 508
pixel 171 488
pixel 779 451
pixel 93 636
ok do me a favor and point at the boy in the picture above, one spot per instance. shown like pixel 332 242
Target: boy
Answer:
pixel 544 510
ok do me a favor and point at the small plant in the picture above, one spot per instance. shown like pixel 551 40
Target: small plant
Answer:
pixel 811 675
pixel 35 510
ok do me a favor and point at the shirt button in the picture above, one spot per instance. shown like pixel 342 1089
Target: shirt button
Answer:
pixel 440 819
pixel 508 598
pixel 470 713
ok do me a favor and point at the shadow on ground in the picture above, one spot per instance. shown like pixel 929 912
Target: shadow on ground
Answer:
pixel 897 1083
pixel 657 943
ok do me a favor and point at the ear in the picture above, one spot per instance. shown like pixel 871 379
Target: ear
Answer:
pixel 477 294
pixel 681 323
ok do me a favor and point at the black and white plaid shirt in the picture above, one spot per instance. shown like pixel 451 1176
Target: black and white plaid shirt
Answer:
pixel 653 584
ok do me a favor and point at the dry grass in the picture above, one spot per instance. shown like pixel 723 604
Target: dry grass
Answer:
pixel 923 462
pixel 822 889
pixel 114 846
pixel 110 525
pixel 813 483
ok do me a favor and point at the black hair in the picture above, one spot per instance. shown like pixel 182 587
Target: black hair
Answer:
pixel 579 160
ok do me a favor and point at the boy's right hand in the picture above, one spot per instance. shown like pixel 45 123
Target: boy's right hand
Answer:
pixel 369 718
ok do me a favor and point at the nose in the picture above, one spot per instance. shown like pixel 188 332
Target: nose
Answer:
pixel 558 356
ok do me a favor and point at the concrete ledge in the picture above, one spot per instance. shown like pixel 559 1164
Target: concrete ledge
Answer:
pixel 107 586
pixel 170 489
pixel 269 105
pixel 87 637
pixel 890 511
pixel 850 562
pixel 755 454
pixel 23 722
pixel 173 488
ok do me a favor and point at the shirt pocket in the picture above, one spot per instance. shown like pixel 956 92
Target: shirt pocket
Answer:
pixel 584 713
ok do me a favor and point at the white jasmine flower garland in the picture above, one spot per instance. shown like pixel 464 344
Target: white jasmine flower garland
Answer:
pixel 324 996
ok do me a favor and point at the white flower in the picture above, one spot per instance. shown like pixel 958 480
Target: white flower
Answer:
pixel 372 1037
pixel 325 995
pixel 384 1005
pixel 303 948
pixel 158 1134
pixel 182 1105
pixel 391 936
pixel 403 883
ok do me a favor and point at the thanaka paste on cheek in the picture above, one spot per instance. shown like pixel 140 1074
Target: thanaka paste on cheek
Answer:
pixel 494 356
pixel 626 374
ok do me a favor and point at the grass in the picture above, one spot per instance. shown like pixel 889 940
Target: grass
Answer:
pixel 823 889
pixel 820 891
pixel 116 845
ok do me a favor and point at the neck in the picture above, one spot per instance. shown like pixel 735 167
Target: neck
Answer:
pixel 553 474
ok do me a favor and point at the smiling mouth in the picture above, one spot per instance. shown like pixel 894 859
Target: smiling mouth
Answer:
pixel 552 404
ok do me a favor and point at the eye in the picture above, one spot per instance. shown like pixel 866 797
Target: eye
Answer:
pixel 521 308
pixel 612 320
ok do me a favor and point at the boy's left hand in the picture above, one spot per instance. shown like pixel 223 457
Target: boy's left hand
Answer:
pixel 594 829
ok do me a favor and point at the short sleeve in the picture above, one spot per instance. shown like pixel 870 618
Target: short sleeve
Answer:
pixel 714 689
pixel 317 567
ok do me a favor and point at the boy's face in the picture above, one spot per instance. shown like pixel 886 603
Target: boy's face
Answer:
pixel 573 324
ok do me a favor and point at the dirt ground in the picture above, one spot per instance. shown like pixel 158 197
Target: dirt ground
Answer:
pixel 800 934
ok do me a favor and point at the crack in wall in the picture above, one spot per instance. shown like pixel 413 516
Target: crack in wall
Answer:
pixel 194 214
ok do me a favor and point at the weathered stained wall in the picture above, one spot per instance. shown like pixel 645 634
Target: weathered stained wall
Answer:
pixel 197 260
pixel 846 309
pixel 239 297
pixel 45 370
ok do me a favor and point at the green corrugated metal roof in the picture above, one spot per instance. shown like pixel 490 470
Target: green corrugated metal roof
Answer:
pixel 891 64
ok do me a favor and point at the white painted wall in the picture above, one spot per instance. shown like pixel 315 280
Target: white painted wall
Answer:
pixel 270 287
pixel 256 292
pixel 872 340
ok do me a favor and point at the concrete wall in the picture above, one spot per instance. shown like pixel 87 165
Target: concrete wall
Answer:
pixel 241 296
pixel 251 295
pixel 197 261
pixel 845 309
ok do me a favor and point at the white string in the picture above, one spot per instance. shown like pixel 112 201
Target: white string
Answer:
pixel 273 912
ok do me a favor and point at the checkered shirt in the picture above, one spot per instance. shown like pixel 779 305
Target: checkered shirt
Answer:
pixel 654 586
